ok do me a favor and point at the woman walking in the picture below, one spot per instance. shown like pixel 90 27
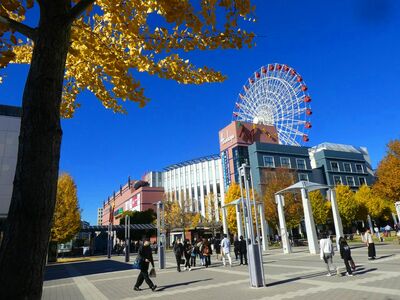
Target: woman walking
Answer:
pixel 206 251
pixel 146 257
pixel 370 244
pixel 187 251
pixel 345 254
pixel 193 254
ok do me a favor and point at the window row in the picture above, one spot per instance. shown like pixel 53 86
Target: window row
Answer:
pixel 349 180
pixel 346 167
pixel 285 162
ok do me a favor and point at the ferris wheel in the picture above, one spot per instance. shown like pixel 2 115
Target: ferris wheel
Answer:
pixel 276 95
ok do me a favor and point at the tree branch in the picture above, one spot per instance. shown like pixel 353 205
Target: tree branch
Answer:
pixel 78 9
pixel 19 27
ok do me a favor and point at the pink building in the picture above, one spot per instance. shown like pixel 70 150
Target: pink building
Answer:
pixel 128 198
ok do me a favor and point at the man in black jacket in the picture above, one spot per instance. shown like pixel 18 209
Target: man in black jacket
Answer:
pixel 146 257
pixel 178 251
pixel 243 250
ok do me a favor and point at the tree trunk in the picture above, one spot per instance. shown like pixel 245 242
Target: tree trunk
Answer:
pixel 25 244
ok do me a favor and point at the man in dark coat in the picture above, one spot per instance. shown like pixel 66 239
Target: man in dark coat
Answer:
pixel 243 250
pixel 146 257
pixel 178 251
pixel 236 247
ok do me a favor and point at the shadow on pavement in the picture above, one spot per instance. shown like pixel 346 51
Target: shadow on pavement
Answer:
pixel 54 272
pixel 359 272
pixel 296 278
pixel 165 287
pixel 384 256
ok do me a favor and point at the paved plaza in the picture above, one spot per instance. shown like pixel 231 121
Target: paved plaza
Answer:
pixel 296 276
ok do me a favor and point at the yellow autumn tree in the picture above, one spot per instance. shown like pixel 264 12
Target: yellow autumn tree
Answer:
pixel 99 46
pixel 274 182
pixel 232 194
pixel 347 205
pixel 67 217
pixel 387 185
pixel 371 203
pixel 212 212
pixel 320 207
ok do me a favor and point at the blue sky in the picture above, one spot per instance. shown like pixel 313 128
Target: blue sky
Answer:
pixel 346 51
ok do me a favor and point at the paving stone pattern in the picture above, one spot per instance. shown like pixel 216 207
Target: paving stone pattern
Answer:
pixel 299 275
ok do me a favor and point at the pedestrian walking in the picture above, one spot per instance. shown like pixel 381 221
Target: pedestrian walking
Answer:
pixel 345 254
pixel 178 251
pixel 243 250
pixel 206 250
pixel 370 244
pixel 202 259
pixel 327 252
pixel 193 255
pixel 145 257
pixel 187 251
pixel 217 247
pixel 236 247
pixel 226 250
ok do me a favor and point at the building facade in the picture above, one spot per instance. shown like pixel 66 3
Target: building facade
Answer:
pixel 100 216
pixel 193 181
pixel 327 163
pixel 234 140
pixel 10 119
pixel 266 158
pixel 130 199
pixel 342 164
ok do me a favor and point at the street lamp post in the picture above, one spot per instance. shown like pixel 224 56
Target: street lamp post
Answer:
pixel 127 237
pixel 160 235
pixel 256 270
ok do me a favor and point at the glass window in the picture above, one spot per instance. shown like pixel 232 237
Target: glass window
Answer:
pixel 269 161
pixel 347 167
pixel 359 168
pixel 301 164
pixel 335 166
pixel 362 180
pixel 303 177
pixel 337 180
pixel 285 162
pixel 350 181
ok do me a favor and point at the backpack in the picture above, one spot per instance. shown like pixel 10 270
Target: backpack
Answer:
pixel 206 250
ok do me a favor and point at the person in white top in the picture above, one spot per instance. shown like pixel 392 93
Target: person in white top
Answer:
pixel 226 250
pixel 327 252
pixel 370 243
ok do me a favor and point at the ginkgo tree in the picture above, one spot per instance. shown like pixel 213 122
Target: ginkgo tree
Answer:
pixel 95 45
pixel 67 217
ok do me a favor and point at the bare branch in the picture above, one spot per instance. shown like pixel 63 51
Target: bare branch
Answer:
pixel 78 9
pixel 19 27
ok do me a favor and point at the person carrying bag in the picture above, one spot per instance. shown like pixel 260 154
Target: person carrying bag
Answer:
pixel 145 257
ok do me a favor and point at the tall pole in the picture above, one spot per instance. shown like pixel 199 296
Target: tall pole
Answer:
pixel 256 270
pixel 239 221
pixel 336 217
pixel 127 237
pixel 160 235
pixel 286 247
pixel 264 227
pixel 397 205
pixel 310 225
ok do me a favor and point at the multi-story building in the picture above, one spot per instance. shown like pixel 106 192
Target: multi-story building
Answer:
pixel 99 215
pixel 234 140
pixel 155 179
pixel 265 158
pixel 10 119
pixel 327 163
pixel 129 198
pixel 193 181
pixel 342 164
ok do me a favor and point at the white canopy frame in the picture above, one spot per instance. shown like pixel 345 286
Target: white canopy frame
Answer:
pixel 305 187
